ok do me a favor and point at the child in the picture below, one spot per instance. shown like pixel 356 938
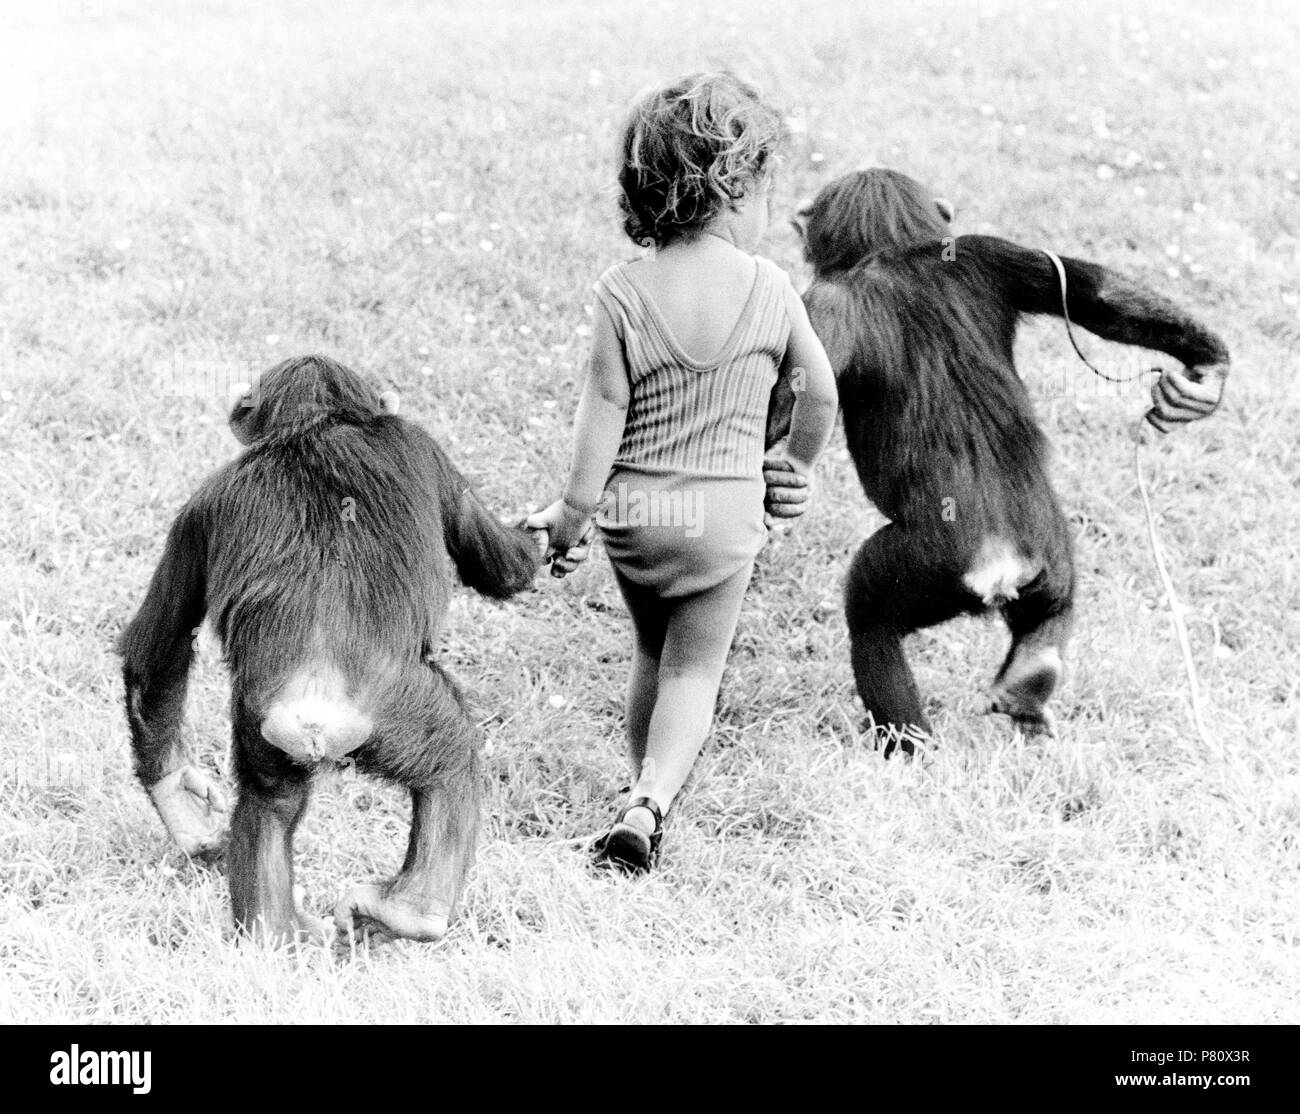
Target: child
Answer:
pixel 688 345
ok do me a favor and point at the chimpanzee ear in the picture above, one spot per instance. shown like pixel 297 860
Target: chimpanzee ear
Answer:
pixel 239 401
pixel 945 208
pixel 239 397
pixel 389 402
pixel 802 212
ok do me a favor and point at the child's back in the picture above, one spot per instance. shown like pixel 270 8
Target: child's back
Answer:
pixel 704 330
pixel 686 349
pixel 700 294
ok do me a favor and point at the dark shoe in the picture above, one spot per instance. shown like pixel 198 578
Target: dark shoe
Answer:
pixel 627 848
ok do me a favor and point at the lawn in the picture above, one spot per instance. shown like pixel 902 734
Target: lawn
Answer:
pixel 424 191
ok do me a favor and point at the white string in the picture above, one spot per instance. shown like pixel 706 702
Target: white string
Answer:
pixel 1175 608
pixel 1157 551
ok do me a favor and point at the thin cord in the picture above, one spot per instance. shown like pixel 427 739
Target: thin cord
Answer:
pixel 1175 608
pixel 1157 551
pixel 1069 330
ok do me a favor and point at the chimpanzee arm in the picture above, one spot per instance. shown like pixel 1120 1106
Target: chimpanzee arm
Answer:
pixel 157 648
pixel 492 559
pixel 833 315
pixel 1100 300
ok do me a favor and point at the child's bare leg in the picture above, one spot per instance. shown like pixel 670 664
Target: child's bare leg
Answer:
pixel 650 622
pixel 642 689
pixel 695 647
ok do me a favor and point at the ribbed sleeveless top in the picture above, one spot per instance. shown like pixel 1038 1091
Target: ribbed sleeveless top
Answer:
pixel 701 418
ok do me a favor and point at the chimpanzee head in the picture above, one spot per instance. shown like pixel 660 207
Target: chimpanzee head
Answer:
pixel 302 392
pixel 866 212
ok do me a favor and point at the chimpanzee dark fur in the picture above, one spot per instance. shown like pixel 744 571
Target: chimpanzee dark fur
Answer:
pixel 323 556
pixel 920 328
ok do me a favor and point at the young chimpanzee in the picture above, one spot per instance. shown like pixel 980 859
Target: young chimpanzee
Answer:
pixel 322 556
pixel 919 327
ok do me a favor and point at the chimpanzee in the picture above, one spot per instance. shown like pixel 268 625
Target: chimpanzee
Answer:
pixel 321 555
pixel 919 327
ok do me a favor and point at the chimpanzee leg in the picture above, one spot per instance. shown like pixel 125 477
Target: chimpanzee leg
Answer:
pixel 897 584
pixel 273 794
pixel 1039 621
pixel 426 742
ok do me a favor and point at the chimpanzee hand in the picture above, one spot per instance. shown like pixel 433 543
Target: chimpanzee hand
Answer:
pixel 564 563
pixel 369 912
pixel 542 539
pixel 192 808
pixel 787 491
pixel 569 533
pixel 1184 396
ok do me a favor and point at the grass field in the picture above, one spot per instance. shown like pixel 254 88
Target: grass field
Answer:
pixel 424 192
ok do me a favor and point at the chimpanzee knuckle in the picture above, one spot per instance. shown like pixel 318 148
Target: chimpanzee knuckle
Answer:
pixel 206 790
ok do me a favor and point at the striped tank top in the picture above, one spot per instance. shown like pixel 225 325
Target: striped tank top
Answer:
pixel 693 417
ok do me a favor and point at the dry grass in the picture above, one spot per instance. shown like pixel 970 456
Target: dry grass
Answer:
pixel 245 184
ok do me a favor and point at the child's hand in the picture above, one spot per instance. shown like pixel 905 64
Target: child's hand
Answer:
pixel 563 524
pixel 568 532
pixel 564 563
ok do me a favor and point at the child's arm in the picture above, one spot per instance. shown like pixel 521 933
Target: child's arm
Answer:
pixel 813 383
pixel 598 430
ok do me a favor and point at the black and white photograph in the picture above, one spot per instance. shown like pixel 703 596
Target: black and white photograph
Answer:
pixel 559 513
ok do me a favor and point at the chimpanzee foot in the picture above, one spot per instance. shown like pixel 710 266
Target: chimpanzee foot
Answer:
pixel 1040 725
pixel 310 929
pixel 1023 690
pixel 193 809
pixel 905 739
pixel 1031 720
pixel 369 911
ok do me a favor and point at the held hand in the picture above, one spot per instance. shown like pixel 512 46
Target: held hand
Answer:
pixel 564 563
pixel 1184 396
pixel 541 539
pixel 788 490
pixel 568 533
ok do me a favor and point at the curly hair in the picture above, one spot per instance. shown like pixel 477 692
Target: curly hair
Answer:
pixel 689 150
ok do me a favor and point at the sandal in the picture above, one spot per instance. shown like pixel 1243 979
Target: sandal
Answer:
pixel 626 847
